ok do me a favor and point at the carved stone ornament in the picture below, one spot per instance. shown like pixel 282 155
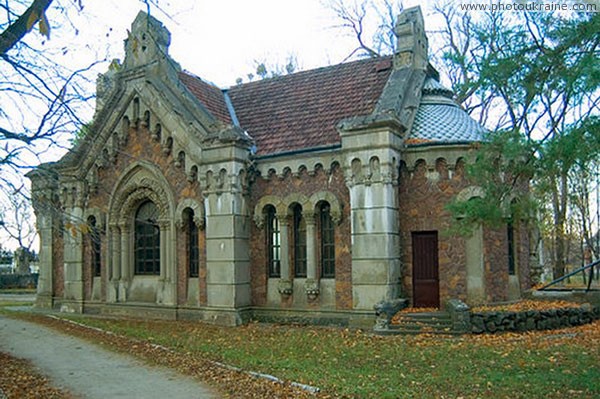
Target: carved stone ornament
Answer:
pixel 311 287
pixel 259 219
pixel 385 310
pixel 285 287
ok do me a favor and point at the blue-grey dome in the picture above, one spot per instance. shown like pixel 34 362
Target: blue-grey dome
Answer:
pixel 439 120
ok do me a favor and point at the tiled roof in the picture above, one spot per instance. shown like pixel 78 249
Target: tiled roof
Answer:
pixel 300 111
pixel 432 86
pixel 209 95
pixel 441 120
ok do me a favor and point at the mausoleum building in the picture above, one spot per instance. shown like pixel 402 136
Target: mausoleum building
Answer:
pixel 310 196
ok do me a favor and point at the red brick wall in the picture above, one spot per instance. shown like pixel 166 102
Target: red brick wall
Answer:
pixel 306 184
pixel 58 276
pixel 422 208
pixel 495 245
pixel 182 266
pixel 140 146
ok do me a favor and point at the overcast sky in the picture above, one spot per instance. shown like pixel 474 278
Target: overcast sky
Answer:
pixel 221 40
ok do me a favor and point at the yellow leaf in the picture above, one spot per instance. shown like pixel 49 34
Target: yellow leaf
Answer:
pixel 44 26
pixel 33 18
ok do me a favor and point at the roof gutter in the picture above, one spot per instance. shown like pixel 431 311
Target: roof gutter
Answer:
pixel 440 144
pixel 298 152
pixel 230 108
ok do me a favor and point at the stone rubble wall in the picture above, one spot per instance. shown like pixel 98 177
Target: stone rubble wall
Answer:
pixel 532 320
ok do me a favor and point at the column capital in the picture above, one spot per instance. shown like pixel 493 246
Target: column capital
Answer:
pixel 164 224
pixel 283 220
pixel 310 218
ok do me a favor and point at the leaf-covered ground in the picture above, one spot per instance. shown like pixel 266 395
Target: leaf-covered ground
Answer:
pixel 525 305
pixel 355 364
pixel 19 379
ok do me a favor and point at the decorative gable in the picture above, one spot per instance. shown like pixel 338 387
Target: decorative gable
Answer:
pixel 150 91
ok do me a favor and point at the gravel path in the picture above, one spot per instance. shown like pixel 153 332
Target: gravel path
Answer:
pixel 89 371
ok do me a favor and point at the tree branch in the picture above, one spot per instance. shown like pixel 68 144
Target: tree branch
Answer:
pixel 17 30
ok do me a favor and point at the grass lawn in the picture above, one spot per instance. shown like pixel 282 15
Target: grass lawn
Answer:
pixel 349 363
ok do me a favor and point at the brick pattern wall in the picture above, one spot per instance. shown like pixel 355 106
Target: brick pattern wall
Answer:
pixel 423 195
pixel 307 184
pixel 58 275
pixel 140 146
pixel 495 250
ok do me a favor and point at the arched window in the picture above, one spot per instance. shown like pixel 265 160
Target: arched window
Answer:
pixel 192 247
pixel 95 246
pixel 299 242
pixel 273 243
pixel 147 240
pixel 327 241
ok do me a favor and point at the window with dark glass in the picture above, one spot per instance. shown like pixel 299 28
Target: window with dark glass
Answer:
pixel 273 243
pixel 193 249
pixel 327 242
pixel 510 235
pixel 299 243
pixel 147 240
pixel 95 245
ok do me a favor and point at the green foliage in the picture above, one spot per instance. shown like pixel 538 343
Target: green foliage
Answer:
pixel 501 170
pixel 81 134
pixel 537 76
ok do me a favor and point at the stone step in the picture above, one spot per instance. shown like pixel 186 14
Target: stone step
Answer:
pixel 423 322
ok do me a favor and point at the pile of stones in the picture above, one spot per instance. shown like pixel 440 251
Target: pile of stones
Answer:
pixel 530 320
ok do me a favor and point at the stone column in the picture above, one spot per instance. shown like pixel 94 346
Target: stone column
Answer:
pixel 45 223
pixel 311 286
pixel 475 267
pixel 167 294
pixel 285 283
pixel 44 186
pixel 375 244
pixel 115 264
pixel 372 176
pixel 73 249
pixel 224 179
pixel 125 266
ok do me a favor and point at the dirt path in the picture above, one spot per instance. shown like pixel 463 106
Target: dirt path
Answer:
pixel 89 371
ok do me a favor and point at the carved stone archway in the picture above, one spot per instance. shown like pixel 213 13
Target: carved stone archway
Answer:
pixel 140 182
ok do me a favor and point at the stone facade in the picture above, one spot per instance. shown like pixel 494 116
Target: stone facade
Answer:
pixel 294 198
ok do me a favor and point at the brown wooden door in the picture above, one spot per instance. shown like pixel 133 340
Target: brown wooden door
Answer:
pixel 426 284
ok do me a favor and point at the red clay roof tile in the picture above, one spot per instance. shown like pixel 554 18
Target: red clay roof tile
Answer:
pixel 299 111
pixel 209 95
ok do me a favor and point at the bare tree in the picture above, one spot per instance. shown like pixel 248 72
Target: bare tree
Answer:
pixel 43 101
pixel 17 222
pixel 370 22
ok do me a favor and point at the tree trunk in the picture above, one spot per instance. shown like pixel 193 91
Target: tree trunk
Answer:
pixel 559 198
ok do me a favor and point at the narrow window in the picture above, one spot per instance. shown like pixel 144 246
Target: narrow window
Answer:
pixel 510 235
pixel 273 243
pixel 147 240
pixel 299 243
pixel 193 250
pixel 327 242
pixel 95 247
